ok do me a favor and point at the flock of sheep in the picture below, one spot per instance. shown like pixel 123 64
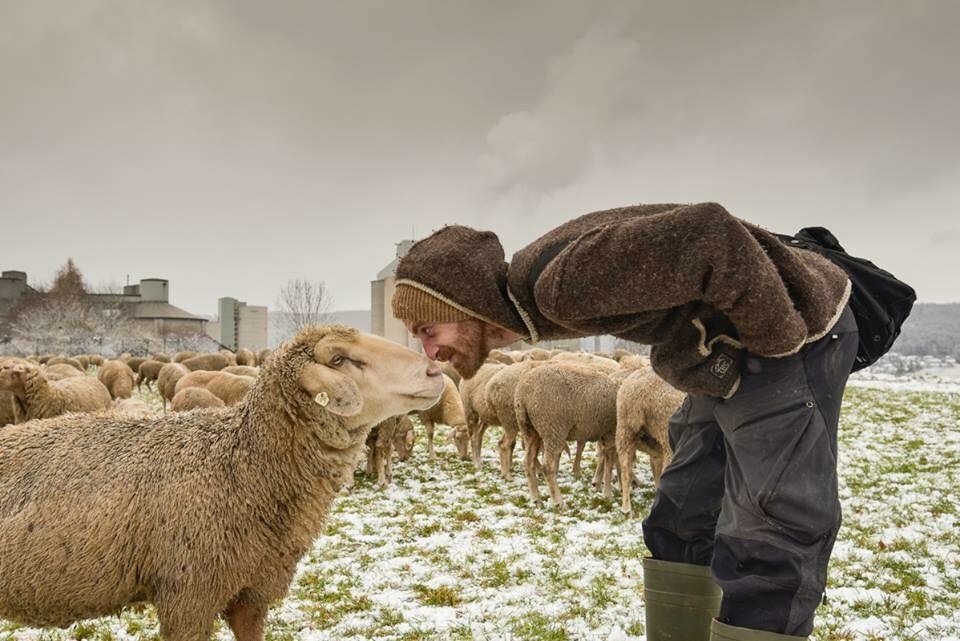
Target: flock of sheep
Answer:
pixel 206 509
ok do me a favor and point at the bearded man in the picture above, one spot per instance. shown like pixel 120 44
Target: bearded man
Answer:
pixel 759 335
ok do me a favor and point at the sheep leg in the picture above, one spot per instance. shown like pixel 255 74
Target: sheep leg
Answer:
pixel 577 457
pixel 609 462
pixel 185 623
pixel 476 442
pixel 428 425
pixel 530 464
pixel 627 455
pixel 247 620
pixel 551 461
pixel 507 444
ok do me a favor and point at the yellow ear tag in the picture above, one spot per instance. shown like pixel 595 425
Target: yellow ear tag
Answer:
pixel 321 399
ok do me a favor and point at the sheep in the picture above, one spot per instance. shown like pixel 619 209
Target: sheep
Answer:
pixel 536 354
pixel 606 364
pixel 179 357
pixel 117 377
pixel 84 361
pixel 449 411
pixel 497 356
pixel 148 372
pixel 9 408
pixel 245 357
pixel 191 398
pixel 59 371
pixel 214 361
pixel 95 359
pixel 560 402
pixel 500 395
pixel 242 370
pixel 229 388
pixel 167 379
pixel 380 447
pixel 262 356
pixel 475 407
pixel 133 407
pixel 452 372
pixel 645 403
pixel 160 356
pixel 66 360
pixel 134 362
pixel 404 438
pixel 200 513
pixel 38 397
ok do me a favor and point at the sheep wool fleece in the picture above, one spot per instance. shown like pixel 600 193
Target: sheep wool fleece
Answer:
pixel 698 284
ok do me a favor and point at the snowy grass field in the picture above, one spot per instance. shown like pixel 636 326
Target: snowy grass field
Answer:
pixel 450 553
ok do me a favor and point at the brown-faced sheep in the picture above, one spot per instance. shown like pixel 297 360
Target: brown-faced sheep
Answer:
pixel 560 402
pixel 39 398
pixel 191 398
pixel 245 357
pixel 212 362
pixel 449 411
pixel 200 513
pixel 148 372
pixel 167 379
pixel 645 403
pixel 118 378
pixel 59 371
pixel 473 393
pixel 500 395
pixel 262 356
pixel 229 388
pixel 179 357
pixel 380 448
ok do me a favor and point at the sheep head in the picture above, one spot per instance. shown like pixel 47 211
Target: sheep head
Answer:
pixel 13 378
pixel 348 381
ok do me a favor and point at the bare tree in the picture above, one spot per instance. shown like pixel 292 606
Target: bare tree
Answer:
pixel 301 303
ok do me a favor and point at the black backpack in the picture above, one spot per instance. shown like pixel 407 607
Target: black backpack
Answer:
pixel 878 300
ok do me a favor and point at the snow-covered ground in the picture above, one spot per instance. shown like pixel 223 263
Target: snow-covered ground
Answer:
pixel 449 552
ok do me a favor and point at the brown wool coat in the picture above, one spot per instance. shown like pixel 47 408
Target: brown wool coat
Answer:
pixel 698 284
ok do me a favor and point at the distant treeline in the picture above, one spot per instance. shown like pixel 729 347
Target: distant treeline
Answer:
pixel 932 329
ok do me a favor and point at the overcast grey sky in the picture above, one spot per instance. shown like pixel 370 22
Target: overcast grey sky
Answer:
pixel 228 146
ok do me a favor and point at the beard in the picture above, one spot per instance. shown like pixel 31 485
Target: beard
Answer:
pixel 469 350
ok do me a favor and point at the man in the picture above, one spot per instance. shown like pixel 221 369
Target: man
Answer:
pixel 757 333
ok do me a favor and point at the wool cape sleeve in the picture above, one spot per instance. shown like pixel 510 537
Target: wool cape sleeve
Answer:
pixel 692 253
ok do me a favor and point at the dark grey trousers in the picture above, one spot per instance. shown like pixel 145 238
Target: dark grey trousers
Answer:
pixel 752 488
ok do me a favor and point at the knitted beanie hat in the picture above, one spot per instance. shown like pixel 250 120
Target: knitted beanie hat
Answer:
pixel 454 274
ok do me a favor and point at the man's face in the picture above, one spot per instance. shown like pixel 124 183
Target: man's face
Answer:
pixel 464 343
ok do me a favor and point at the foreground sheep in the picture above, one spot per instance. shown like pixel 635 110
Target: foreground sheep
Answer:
pixel 37 397
pixel 645 403
pixel 200 513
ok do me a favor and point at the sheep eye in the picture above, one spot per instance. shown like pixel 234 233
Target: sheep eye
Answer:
pixel 337 360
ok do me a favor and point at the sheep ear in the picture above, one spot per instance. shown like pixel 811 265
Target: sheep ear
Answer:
pixel 331 390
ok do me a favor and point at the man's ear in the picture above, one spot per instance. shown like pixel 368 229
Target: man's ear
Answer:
pixel 330 389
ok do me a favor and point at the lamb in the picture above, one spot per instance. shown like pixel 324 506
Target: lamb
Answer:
pixel 404 438
pixel 200 513
pixel 449 411
pixel 191 398
pixel 229 388
pixel 560 402
pixel 645 403
pixel 380 447
pixel 179 357
pixel 500 395
pixel 214 361
pixel 118 378
pixel 59 371
pixel 39 398
pixel 245 357
pixel 242 370
pixel 148 372
pixel 167 380
pixel 478 413
pixel 65 360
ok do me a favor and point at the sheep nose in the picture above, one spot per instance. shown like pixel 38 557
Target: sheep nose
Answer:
pixel 433 369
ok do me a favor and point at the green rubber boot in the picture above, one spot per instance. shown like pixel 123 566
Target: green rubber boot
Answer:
pixel 723 632
pixel 680 600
